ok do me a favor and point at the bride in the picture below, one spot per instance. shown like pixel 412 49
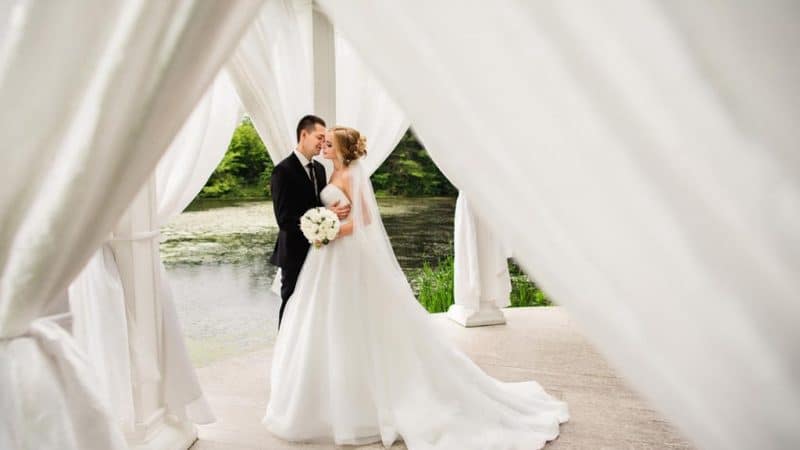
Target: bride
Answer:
pixel 357 359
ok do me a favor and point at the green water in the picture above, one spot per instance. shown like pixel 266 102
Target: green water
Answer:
pixel 216 256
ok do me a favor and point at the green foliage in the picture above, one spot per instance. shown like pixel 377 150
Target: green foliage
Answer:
pixel 523 291
pixel 435 287
pixel 221 185
pixel 244 170
pixel 409 171
pixel 250 157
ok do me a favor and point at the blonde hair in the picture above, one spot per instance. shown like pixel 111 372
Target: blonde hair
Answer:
pixel 352 145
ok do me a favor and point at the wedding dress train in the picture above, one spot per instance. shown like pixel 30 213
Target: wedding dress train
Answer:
pixel 358 360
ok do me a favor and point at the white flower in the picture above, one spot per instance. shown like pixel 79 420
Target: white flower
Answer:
pixel 319 224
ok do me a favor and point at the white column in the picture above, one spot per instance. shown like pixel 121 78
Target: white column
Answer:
pixel 324 60
pixel 482 283
pixel 136 247
pixel 324 68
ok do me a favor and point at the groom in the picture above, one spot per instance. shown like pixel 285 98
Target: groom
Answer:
pixel 296 183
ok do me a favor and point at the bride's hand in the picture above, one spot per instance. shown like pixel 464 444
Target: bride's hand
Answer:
pixel 344 230
pixel 341 211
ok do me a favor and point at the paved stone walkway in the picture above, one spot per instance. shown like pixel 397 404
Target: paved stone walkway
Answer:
pixel 537 343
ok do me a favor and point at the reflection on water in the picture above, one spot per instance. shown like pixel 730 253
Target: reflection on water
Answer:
pixel 216 256
pixel 224 309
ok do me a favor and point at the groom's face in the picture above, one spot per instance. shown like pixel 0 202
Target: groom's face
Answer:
pixel 312 142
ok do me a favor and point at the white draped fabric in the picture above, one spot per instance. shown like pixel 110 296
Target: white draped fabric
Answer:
pixel 181 174
pixel 85 138
pixel 101 326
pixel 656 144
pixel 197 149
pixel 480 265
pixel 362 103
pixel 101 330
pixel 273 72
pixel 657 141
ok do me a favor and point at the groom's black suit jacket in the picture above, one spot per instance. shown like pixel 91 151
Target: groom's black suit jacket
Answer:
pixel 292 195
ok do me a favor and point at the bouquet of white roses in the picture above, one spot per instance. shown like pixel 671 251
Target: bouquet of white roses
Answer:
pixel 320 226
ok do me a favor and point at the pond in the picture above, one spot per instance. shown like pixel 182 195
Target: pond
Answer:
pixel 216 254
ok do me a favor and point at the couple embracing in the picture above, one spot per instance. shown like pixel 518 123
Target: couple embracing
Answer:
pixel 357 359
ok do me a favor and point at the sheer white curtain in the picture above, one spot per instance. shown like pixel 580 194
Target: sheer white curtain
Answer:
pixel 198 148
pixel 273 73
pixel 101 330
pixel 363 103
pixel 181 174
pixel 85 137
pixel 480 264
pixel 641 158
pixel 272 70
pixel 101 325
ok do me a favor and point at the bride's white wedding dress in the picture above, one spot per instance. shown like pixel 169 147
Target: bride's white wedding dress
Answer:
pixel 357 359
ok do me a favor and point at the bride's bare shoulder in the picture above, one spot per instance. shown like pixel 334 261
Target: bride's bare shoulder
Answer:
pixel 341 179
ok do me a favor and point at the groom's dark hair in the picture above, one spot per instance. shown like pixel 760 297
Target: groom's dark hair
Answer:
pixel 308 123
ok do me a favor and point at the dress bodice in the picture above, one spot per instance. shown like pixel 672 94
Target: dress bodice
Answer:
pixel 331 194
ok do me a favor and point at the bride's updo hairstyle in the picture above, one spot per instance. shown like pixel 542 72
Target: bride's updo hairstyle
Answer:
pixel 352 145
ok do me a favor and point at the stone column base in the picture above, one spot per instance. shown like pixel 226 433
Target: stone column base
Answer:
pixel 488 314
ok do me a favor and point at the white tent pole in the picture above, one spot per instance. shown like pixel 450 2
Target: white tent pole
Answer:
pixel 135 246
pixel 324 68
pixel 481 280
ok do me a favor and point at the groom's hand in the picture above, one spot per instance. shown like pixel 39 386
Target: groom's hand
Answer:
pixel 341 211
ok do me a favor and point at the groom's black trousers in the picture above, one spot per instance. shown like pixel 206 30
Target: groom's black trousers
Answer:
pixel 288 282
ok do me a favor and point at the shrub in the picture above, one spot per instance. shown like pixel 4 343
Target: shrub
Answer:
pixel 435 287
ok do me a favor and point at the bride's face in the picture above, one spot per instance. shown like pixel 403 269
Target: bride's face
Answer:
pixel 329 147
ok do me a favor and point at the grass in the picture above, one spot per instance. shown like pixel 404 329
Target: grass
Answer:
pixel 524 292
pixel 435 287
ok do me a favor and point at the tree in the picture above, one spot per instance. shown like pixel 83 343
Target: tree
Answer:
pixel 410 171
pixel 245 168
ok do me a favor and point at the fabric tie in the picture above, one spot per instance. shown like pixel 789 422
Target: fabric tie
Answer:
pixel 313 178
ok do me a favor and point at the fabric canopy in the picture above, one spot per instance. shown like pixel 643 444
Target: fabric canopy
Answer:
pixel 273 72
pixel 363 103
pixel 655 142
pixel 640 157
pixel 180 175
pixel 86 136
pixel 103 326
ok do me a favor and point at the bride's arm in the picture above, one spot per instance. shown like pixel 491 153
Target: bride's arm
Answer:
pixel 345 230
